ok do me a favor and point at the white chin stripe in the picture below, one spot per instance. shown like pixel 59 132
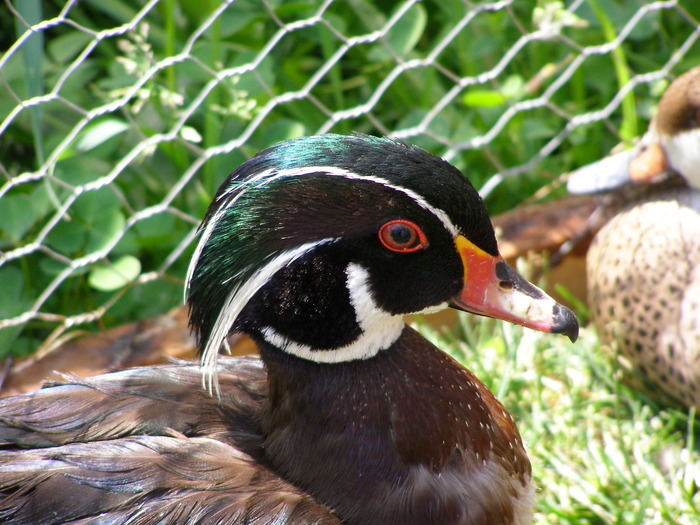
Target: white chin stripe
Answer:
pixel 363 347
pixel 380 329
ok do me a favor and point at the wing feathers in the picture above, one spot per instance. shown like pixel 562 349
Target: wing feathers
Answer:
pixel 145 446
pixel 138 401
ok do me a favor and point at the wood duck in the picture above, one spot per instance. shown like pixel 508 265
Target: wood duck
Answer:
pixel 316 248
pixel 644 264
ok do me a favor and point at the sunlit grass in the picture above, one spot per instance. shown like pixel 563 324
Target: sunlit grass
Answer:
pixel 601 451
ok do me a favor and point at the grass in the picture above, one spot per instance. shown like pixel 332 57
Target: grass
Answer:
pixel 602 452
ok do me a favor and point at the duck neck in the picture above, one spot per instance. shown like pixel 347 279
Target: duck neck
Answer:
pixel 369 437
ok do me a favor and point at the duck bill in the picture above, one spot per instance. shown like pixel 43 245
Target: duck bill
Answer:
pixel 493 289
pixel 650 164
pixel 644 163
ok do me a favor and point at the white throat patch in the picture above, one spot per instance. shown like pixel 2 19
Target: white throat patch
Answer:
pixel 380 329
pixel 683 153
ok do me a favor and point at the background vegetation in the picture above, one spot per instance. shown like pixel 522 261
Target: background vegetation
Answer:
pixel 120 118
pixel 138 111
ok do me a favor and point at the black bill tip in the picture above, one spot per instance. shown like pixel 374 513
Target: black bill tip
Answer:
pixel 565 322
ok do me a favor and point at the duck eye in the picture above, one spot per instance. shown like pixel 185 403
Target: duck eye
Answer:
pixel 402 236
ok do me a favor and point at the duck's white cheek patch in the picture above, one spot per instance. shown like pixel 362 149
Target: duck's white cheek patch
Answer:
pixel 380 329
pixel 366 310
pixel 683 153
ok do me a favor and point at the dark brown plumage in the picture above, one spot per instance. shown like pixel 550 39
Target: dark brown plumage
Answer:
pixel 164 449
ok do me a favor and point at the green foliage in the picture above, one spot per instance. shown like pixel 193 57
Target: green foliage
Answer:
pixel 115 276
pixel 124 131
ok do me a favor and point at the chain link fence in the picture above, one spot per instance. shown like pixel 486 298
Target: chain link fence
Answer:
pixel 119 118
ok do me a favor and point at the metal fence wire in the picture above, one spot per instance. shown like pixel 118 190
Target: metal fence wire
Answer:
pixel 119 118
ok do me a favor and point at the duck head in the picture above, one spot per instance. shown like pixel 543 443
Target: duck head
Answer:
pixel 319 246
pixel 676 128
pixel 671 143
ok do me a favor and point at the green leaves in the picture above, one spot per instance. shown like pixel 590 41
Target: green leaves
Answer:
pixel 483 98
pixel 116 275
pixel 403 35
pixel 94 221
pixel 17 215
pixel 20 212
pixel 100 132
pixel 513 88
pixel 14 300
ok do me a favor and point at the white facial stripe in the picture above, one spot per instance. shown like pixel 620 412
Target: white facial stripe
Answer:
pixel 211 225
pixel 265 178
pixel 200 246
pixel 380 329
pixel 361 348
pixel 440 214
pixel 432 309
pixel 236 301
pixel 270 175
pixel 379 325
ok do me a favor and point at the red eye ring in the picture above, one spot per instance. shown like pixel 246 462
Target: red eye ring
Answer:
pixel 402 236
